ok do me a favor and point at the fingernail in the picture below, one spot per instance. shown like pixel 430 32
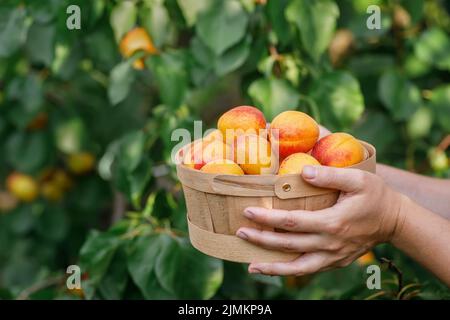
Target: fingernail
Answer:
pixel 254 270
pixel 309 172
pixel 249 214
pixel 242 235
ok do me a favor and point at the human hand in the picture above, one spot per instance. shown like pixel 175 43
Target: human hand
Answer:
pixel 367 213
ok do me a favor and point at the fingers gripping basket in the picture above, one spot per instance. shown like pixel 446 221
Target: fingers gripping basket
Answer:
pixel 215 205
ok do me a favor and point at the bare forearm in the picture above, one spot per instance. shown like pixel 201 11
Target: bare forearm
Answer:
pixel 431 193
pixel 424 236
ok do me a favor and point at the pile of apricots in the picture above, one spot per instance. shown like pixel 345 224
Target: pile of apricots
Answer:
pixel 244 143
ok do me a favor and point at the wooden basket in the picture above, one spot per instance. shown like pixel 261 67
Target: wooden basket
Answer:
pixel 215 205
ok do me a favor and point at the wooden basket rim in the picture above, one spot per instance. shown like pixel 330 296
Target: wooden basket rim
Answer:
pixel 284 187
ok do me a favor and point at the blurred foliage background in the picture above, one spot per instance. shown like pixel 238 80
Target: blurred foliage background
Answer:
pixel 86 118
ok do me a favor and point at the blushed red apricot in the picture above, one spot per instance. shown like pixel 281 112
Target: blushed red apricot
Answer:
pixel 338 150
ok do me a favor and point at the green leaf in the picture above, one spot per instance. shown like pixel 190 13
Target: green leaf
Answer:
pixel 28 91
pixel 138 181
pixel 232 59
pixel 40 43
pixel 121 78
pixel 100 46
pixel 419 125
pixel 440 103
pixel 21 220
pixel 133 167
pixel 222 25
pixel 123 18
pixel 275 10
pixel 170 74
pixel 70 135
pixel 414 67
pixel 113 283
pixel 414 8
pixel 131 150
pixel 53 224
pixel 316 21
pixel 401 97
pixel 66 61
pixel 191 9
pixel 339 99
pixel 273 95
pixel 13 29
pixel 142 255
pixel 95 258
pixel 370 65
pixel 201 53
pixel 44 11
pixel 28 152
pixel 186 272
pixel 156 20
pixel 206 61
pixel 433 47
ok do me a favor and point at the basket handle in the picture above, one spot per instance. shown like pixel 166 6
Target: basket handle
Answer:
pixel 284 187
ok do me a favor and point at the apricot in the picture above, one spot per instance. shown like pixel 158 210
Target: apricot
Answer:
pixel 80 163
pixel 54 182
pixel 213 135
pixel 134 40
pixel 253 154
pixel 338 150
pixel 223 166
pixel 201 152
pixel 366 259
pixel 216 134
pixel 240 120
pixel 293 132
pixel 51 191
pixel 295 163
pixel 22 186
pixel 62 179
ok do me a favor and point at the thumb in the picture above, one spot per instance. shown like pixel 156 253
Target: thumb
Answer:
pixel 347 180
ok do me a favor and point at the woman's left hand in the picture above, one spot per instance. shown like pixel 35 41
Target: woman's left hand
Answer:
pixel 366 213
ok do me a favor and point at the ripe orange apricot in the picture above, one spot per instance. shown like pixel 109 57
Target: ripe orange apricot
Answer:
pixel 253 154
pixel 292 132
pixel 366 259
pixel 62 179
pixel 201 152
pixel 295 163
pixel 216 134
pixel 135 40
pixel 51 191
pixel 22 186
pixel 80 163
pixel 338 150
pixel 223 166
pixel 240 120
